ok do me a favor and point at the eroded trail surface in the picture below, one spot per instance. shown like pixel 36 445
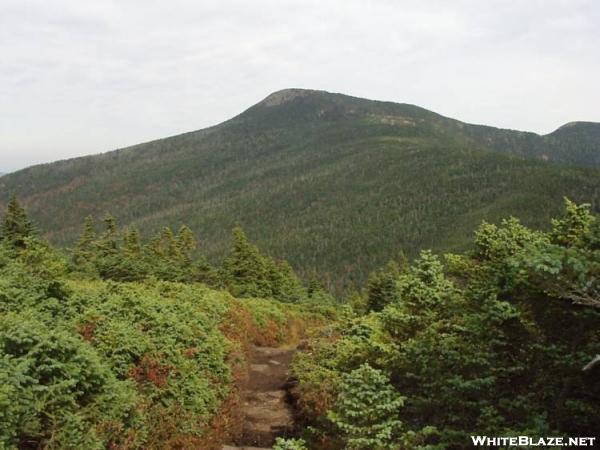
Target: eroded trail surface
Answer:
pixel 265 410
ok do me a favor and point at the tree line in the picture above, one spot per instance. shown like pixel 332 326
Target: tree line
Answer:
pixel 121 254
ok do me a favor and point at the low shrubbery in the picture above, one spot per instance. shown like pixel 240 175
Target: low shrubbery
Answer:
pixel 93 363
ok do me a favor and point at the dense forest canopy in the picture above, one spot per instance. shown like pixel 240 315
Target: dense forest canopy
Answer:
pixel 337 184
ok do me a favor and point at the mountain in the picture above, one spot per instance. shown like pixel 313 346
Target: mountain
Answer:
pixel 575 143
pixel 333 183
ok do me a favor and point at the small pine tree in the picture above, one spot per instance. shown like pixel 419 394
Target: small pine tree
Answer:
pixel 131 265
pixel 85 243
pixel 315 286
pixel 569 230
pixel 186 244
pixel 110 224
pixel 16 227
pixel 366 410
pixel 169 245
pixel 107 243
pixel 84 254
pixel 163 256
pixel 202 271
pixel 245 270
pixel 284 283
pixel 194 267
pixel 381 288
pixel 107 249
pixel 132 247
pixel 291 288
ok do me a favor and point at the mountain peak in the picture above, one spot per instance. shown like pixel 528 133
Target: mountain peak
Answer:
pixel 590 130
pixel 309 104
pixel 578 124
pixel 287 95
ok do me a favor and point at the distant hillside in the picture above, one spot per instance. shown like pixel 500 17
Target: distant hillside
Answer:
pixel 575 143
pixel 331 182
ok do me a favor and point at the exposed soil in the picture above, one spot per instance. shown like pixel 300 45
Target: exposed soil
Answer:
pixel 265 410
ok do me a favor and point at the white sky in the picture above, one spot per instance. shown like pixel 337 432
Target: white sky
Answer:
pixel 80 77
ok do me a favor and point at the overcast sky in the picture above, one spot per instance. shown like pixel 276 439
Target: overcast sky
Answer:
pixel 80 77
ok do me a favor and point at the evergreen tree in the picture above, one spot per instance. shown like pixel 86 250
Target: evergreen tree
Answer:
pixel 186 244
pixel 16 227
pixel 107 249
pixel 245 270
pixel 169 245
pixel 315 286
pixel 88 236
pixel 382 288
pixel 108 241
pixel 131 265
pixel 291 289
pixel 132 247
pixel 575 223
pixel 163 256
pixel 284 283
pixel 84 253
pixel 203 272
pixel 194 267
pixel 366 410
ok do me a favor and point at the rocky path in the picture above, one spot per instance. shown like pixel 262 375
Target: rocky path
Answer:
pixel 265 410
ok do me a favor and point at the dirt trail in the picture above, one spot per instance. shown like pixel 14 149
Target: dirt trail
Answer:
pixel 265 410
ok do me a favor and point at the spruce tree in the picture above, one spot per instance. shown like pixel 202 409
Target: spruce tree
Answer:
pixel 285 285
pixel 85 243
pixel 245 270
pixel 164 257
pixel 575 223
pixel 381 287
pixel 315 286
pixel 84 253
pixel 366 411
pixel 185 241
pixel 107 249
pixel 132 247
pixel 131 265
pixel 16 227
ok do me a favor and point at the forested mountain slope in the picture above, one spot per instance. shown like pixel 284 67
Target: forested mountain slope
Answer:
pixel 333 183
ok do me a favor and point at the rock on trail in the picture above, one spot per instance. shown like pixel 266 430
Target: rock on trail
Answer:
pixel 265 409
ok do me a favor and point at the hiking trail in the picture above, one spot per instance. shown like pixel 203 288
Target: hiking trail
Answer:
pixel 265 410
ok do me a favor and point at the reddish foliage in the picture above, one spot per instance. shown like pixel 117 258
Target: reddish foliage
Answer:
pixel 239 326
pixel 269 336
pixel 225 426
pixel 86 330
pixel 190 352
pixel 150 370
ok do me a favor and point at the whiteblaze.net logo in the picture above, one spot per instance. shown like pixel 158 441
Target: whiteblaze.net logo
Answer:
pixel 527 441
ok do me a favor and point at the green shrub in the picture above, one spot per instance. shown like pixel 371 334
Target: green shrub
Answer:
pixel 56 390
pixel 366 410
pixel 290 444
pixel 491 344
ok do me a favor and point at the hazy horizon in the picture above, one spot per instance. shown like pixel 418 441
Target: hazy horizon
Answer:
pixel 81 78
